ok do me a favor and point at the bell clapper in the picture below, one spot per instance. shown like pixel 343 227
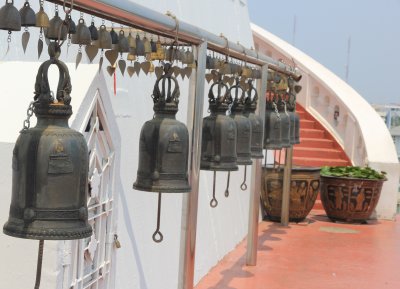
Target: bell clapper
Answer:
pixel 243 186
pixel 158 236
pixel 214 202
pixel 227 184
pixel 39 264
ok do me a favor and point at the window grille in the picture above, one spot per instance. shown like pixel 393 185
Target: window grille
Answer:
pixel 88 263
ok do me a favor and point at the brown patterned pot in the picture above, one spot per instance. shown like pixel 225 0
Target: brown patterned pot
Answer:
pixel 349 199
pixel 303 192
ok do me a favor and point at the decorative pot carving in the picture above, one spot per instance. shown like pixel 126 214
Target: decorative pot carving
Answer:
pixel 304 189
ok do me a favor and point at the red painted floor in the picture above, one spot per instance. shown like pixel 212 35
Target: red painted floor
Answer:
pixel 315 255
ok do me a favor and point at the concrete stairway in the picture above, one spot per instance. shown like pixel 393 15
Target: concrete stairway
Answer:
pixel 317 147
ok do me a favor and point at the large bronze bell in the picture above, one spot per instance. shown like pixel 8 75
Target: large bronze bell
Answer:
pixel 243 129
pixel 285 123
pixel 163 146
pixel 219 134
pixel 272 128
pixel 28 16
pixel 9 17
pixel 250 106
pixel 50 167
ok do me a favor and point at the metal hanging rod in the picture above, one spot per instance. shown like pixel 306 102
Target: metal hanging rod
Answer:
pixel 134 15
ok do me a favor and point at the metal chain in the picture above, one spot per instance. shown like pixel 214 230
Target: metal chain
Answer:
pixel 276 110
pixel 29 113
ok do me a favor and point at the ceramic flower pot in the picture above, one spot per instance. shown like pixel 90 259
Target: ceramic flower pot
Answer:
pixel 304 189
pixel 350 199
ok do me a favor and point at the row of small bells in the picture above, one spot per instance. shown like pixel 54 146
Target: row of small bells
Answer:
pixel 95 39
pixel 282 122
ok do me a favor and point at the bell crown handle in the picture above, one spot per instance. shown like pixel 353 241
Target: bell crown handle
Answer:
pixel 238 97
pixel 166 81
pixel 222 92
pixel 252 94
pixel 43 93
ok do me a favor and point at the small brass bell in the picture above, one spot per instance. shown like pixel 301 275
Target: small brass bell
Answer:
pixel 28 17
pixel 94 33
pixel 104 41
pixel 42 20
pixel 50 167
pixel 131 41
pixel 82 35
pixel 256 122
pixel 114 36
pixel 57 29
pixel 71 26
pixel 219 134
pixel 10 18
pixel 123 44
pixel 163 146
pixel 140 51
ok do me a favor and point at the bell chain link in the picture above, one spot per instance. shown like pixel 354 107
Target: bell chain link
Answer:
pixel 29 113
pixel 276 110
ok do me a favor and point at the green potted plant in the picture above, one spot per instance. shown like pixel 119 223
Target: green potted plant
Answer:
pixel 351 193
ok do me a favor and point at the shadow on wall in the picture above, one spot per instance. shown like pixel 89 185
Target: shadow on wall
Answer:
pixel 133 242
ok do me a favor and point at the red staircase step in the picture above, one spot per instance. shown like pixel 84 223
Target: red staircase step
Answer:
pixel 318 162
pixel 316 152
pixel 312 133
pixel 305 123
pixel 315 142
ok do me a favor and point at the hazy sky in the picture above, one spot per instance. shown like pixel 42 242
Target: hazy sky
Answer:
pixel 322 31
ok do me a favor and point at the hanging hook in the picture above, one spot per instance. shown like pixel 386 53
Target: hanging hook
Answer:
pixel 227 184
pixel 214 202
pixel 39 264
pixel 243 186
pixel 158 236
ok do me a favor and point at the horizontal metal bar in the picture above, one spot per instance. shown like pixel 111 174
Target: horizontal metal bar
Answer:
pixel 134 15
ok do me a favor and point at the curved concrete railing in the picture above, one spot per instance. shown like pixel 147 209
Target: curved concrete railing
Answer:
pixel 343 112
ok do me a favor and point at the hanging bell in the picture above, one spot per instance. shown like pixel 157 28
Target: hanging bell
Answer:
pixel 114 36
pixel 94 33
pixel 294 116
pixel 250 107
pixel 82 35
pixel 285 124
pixel 57 29
pixel 163 146
pixel 50 167
pixel 163 155
pixel 272 127
pixel 71 26
pixel 243 126
pixel 42 20
pixel 123 43
pixel 219 135
pixel 104 41
pixel 140 51
pixel 28 17
pixel 10 18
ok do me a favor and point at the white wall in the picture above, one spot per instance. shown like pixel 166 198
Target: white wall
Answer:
pixel 140 262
